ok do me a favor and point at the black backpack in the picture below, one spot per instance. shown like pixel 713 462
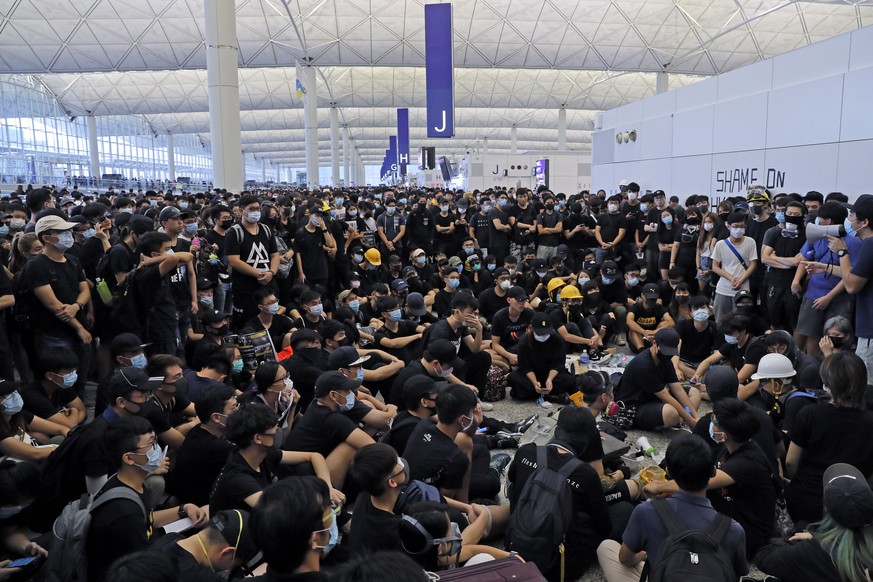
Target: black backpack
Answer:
pixel 542 515
pixel 688 554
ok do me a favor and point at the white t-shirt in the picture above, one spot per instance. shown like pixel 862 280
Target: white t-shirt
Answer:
pixel 731 264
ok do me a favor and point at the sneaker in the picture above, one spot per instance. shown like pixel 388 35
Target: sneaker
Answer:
pixel 486 406
pixel 620 339
pixel 596 356
pixel 544 403
pixel 525 424
pixel 558 398
pixel 499 462
pixel 504 440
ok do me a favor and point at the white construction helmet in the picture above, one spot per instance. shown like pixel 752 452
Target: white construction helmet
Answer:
pixel 774 366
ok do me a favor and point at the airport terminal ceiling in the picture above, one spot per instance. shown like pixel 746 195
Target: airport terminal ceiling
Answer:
pixel 516 61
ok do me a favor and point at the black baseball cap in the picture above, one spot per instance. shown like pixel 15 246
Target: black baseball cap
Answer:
pixel 415 303
pixel 419 386
pixel 650 291
pixel 126 379
pixel 233 525
pixel 516 293
pixel 862 207
pixel 334 380
pixel 444 352
pixel 126 342
pixel 344 357
pixel 609 268
pixel 541 325
pixel 847 497
pixel 668 342
pixel 7 387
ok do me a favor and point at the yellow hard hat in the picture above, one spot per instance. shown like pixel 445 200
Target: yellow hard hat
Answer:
pixel 570 292
pixel 554 284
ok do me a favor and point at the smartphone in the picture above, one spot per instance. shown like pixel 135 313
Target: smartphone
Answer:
pixel 22 562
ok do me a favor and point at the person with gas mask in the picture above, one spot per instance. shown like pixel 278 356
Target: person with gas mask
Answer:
pixel 256 458
pixel 123 524
pixel 781 253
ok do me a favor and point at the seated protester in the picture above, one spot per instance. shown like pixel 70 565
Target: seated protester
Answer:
pixel 463 328
pixel 350 298
pixel 294 526
pixel 649 385
pixel 82 464
pixel 541 374
pixel 392 270
pixel 493 299
pixel 479 280
pixel 699 336
pixel 124 525
pixel 510 324
pixel 168 410
pixel 398 336
pixel 536 277
pixel 633 283
pixel 558 268
pixel 832 549
pixel 742 487
pixel 416 283
pixel 369 311
pixel 213 365
pixel 370 411
pixel 306 364
pixel 838 335
pixel 416 311
pixel 722 385
pixel 214 327
pixel 251 466
pixel 268 318
pixel 744 303
pixel 205 449
pixel 312 311
pixel 826 434
pixel 53 397
pixel 274 388
pixel 777 393
pixel 598 312
pixel 458 265
pixel 572 325
pixel 370 268
pixel 126 350
pixel 444 454
pixel 667 287
pixel 17 427
pixel 223 545
pixel 381 476
pixel 419 262
pixel 806 366
pixel 324 429
pixel 645 318
pixel 689 463
pixel 614 292
pixel 442 300
pixel 376 567
pixel 19 483
pixel 591 518
pixel 679 308
pixel 741 351
pixel 419 400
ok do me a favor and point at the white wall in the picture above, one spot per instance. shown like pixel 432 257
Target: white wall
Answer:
pixel 797 122
pixel 569 172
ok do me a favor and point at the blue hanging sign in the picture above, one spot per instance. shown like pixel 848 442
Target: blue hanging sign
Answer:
pixel 439 65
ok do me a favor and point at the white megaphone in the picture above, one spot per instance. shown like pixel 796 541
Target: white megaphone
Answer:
pixel 815 232
pixel 646 446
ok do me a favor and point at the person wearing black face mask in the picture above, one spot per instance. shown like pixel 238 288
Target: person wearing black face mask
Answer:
pixel 172 415
pixel 780 252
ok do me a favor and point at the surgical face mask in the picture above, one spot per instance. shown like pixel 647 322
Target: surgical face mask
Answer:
pixel 352 213
pixel 339 201
pixel 349 403
pixel 354 305
pixel 395 315
pixel 191 228
pixel 738 232
pixel 139 361
pixel 253 217
pixel 718 437
pixel 183 205
pixel 226 224
pixel 612 207
pixel 486 208
pixel 359 375
pixel 512 272
pixel 391 210
pixel 127 210
pixel 469 424
pixel 644 207
pixel 541 338
pixel 633 281
pixel 780 217
pixel 358 258
pixel 4 230
pixel 505 284
pixel 316 309
pixel 206 300
pixel 155 458
pixel 460 267
pixel 503 202
pixel 87 234
pixel 453 283
pixel 847 224
pixel 273 308
pixel 582 280
pixel 477 266
pixel 443 372
pixel 16 223
pixel 668 220
pixel 731 339
pixel 65 241
pixel 153 202
pixel 469 251
pixel 542 274
pixel 68 380
pixel 421 260
pixel 491 266
pixel 708 226
pixel 332 541
pixel 700 315
pixel 607 280
pixel 238 366
pixel 444 208
pixel 313 220
pixel 13 403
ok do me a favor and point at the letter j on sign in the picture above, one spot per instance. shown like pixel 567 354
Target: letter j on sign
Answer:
pixel 439 76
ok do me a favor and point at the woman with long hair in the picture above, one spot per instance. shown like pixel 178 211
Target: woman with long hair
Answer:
pixel 705 245
pixel 25 246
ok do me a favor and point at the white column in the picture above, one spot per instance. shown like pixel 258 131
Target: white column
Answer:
pixel 171 159
pixel 346 156
pixel 310 123
pixel 662 83
pixel 93 147
pixel 562 129
pixel 513 139
pixel 263 169
pixel 228 169
pixel 334 147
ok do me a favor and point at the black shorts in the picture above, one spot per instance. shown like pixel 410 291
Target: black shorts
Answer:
pixel 650 415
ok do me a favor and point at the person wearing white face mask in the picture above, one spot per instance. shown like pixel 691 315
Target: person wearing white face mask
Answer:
pixel 734 259
pixel 123 524
pixel 699 336
pixel 183 279
pixel 541 372
pixel 269 318
pixel 52 396
pixel 610 231
pixel 375 415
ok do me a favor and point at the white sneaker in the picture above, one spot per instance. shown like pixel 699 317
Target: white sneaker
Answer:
pixel 620 339
pixel 486 406
pixel 544 403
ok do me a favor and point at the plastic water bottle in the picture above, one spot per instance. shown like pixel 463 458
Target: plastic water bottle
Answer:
pixel 584 359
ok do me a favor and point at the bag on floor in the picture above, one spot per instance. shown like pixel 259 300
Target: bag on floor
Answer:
pixel 502 570
pixel 495 385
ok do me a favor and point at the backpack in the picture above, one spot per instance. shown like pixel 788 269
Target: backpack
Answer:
pixel 543 513
pixel 22 309
pixel 414 492
pixel 820 396
pixel 66 561
pixel 688 554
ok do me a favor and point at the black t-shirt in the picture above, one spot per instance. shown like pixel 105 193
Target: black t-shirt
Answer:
pixel 526 216
pixel 490 303
pixel 197 466
pixel 687 254
pixel 479 223
pixel 580 240
pixel 157 309
pixel 547 220
pixel 373 530
pixel 64 279
pixel 510 331
pixel 402 428
pixel 413 369
pixel 163 418
pixel 435 458
pixel 117 529
pixel 785 247
pixel 216 239
pixel 751 352
pixel 615 292
pixel 697 345
pixel 643 378
pixel 767 437
pixel 751 500
pixel 648 317
pixel 445 222
pixel 121 260
pixel 610 224
pixel 443 330
pixel 309 246
pixel 541 357
pixel 405 328
pixel 279 327
pixel 304 367
pixel 319 431
pixel 442 303
pixel 497 239
pixel 187 566
pixel 43 404
pixel 238 480
pixel 254 250
pixel 179 283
